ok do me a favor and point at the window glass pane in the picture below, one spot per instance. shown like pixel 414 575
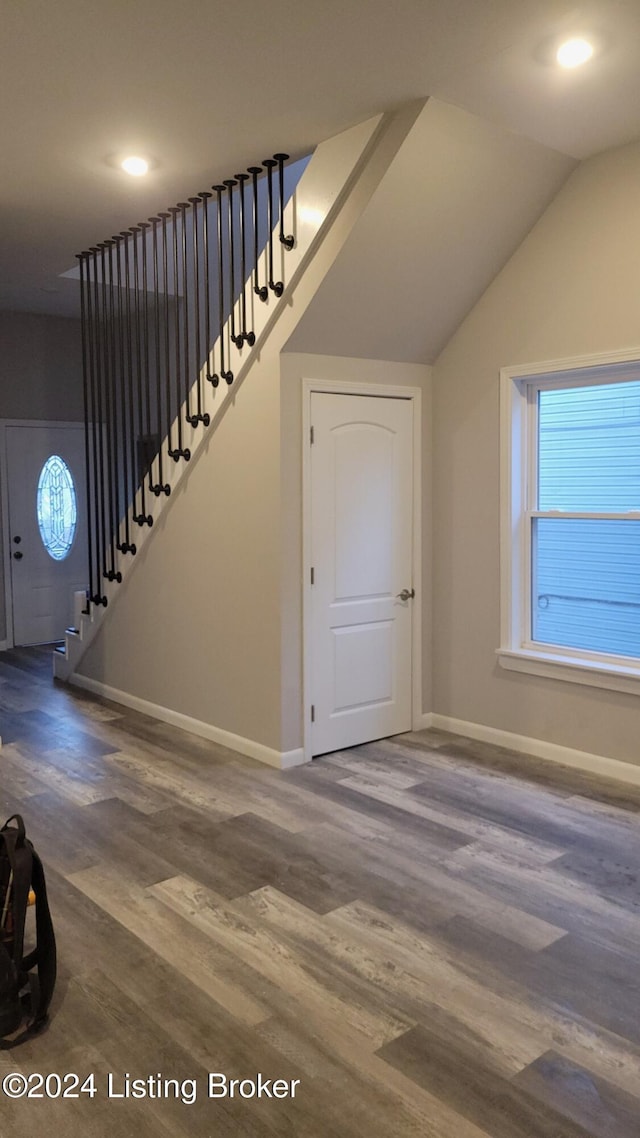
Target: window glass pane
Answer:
pixel 56 507
pixel 589 448
pixel 586 584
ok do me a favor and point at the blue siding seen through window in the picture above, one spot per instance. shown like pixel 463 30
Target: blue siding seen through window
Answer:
pixel 586 572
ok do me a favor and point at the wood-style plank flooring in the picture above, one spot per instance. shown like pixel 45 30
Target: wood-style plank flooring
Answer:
pixel 438 938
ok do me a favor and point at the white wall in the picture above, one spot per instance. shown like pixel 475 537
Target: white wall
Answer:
pixel 294 368
pixel 571 289
pixel 195 626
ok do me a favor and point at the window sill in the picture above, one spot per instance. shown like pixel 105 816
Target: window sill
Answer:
pixel 614 677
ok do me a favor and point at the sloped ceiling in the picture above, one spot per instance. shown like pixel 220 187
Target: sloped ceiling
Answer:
pixel 456 203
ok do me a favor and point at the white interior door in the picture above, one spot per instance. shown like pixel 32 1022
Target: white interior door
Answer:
pixel 361 553
pixel 47 528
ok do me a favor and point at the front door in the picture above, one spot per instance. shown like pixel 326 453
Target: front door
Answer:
pixel 361 553
pixel 47 528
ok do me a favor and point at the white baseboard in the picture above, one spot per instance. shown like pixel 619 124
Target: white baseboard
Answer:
pixel 566 756
pixel 283 760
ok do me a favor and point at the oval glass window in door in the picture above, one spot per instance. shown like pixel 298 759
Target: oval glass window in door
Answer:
pixel 56 507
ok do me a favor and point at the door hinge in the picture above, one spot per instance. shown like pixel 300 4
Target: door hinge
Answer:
pixel 313 576
pixel 313 713
pixel 311 436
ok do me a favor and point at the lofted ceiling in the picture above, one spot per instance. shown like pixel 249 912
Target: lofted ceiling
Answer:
pixel 204 88
pixel 456 202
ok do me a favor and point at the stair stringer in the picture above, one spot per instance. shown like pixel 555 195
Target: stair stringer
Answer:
pixel 330 197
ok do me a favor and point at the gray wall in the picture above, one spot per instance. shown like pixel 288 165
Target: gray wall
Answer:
pixel 40 367
pixel 40 378
pixel 571 289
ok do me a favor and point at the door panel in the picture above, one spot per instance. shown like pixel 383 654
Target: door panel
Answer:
pixel 361 542
pixel 43 582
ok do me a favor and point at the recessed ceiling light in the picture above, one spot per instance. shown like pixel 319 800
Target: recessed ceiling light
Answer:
pixel 135 166
pixel 574 52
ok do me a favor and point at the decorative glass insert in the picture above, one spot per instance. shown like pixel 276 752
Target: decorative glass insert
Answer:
pixel 56 507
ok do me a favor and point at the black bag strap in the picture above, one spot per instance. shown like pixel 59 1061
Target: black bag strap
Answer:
pixel 20 856
pixel 44 955
pixel 19 829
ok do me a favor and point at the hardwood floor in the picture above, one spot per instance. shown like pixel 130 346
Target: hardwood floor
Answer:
pixel 436 937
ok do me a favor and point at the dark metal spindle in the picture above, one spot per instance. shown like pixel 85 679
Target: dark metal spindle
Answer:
pixel 235 339
pixel 287 241
pixel 225 374
pixel 167 361
pixel 204 196
pixel 111 511
pixel 87 415
pixel 261 291
pixel 185 300
pixel 198 417
pixel 98 435
pixel 131 490
pixel 113 396
pixel 142 518
pixel 277 287
pixel 125 546
pixel 180 451
pixel 160 487
pixel 147 433
pixel 247 336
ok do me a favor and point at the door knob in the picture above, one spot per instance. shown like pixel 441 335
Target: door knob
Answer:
pixel 406 594
pixel 18 556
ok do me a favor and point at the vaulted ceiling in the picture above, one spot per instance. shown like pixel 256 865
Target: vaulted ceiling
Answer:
pixel 205 88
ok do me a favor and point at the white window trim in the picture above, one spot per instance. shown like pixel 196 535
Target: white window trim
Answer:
pixel 517 467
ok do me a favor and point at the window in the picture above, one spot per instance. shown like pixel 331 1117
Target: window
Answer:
pixel 56 507
pixel 571 523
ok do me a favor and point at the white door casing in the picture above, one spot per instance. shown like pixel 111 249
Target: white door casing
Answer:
pixel 360 522
pixel 41 588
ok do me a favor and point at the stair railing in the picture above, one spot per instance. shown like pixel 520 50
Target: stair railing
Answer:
pixel 150 296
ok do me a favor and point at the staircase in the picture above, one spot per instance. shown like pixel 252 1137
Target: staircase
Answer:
pixel 177 312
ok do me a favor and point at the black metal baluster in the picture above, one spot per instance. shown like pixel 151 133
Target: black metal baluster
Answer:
pixel 125 546
pixel 98 436
pixel 146 432
pixel 204 196
pixel 143 518
pixel 160 487
pixel 225 374
pixel 180 451
pixel 277 287
pixel 167 360
pixel 131 489
pixel 235 339
pixel 87 414
pixel 104 407
pixel 245 335
pixel 185 301
pixel 112 573
pixel 287 241
pixel 261 291
pixel 198 417
pixel 113 396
